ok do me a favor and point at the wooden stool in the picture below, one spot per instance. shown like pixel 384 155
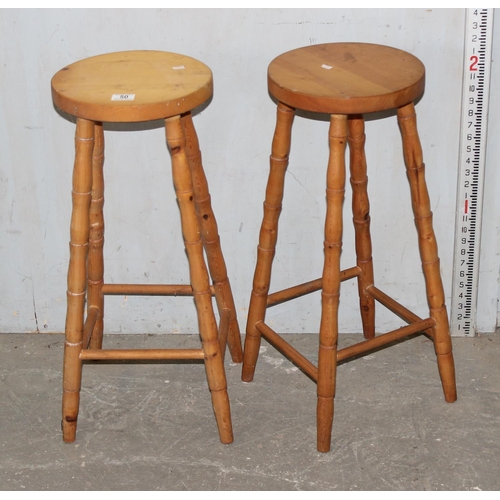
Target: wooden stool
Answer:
pixel 346 80
pixel 133 87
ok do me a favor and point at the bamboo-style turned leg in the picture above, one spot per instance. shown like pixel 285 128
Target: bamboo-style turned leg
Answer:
pixel 77 270
pixel 328 333
pixel 361 219
pixel 268 237
pixel 95 271
pixel 211 242
pixel 428 248
pixel 199 277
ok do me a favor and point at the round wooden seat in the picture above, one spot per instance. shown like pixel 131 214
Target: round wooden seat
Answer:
pixel 132 86
pixel 346 78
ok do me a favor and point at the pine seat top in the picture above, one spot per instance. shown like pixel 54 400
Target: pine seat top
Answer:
pixel 346 78
pixel 132 86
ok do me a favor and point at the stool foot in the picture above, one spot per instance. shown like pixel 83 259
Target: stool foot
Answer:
pixel 268 236
pixel 71 404
pixel 444 355
pixel 220 403
pixel 324 422
pixel 447 372
pixel 248 369
pixel 428 248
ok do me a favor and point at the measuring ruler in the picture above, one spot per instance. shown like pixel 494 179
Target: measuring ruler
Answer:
pixel 474 118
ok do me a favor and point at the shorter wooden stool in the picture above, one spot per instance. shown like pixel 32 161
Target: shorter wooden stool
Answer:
pixel 130 87
pixel 346 80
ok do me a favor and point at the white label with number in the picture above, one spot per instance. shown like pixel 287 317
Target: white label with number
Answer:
pixel 123 97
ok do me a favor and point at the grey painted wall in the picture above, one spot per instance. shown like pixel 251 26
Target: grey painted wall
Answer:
pixel 143 241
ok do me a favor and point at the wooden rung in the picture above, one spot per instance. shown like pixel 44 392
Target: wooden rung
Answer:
pixel 399 310
pixel 141 354
pixel 92 314
pixel 293 292
pixel 350 273
pixel 147 289
pixel 309 287
pixel 386 338
pixel 287 350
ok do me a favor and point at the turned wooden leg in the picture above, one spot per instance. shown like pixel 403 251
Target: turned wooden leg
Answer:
pixel 77 276
pixel 328 333
pixel 199 277
pixel 428 249
pixel 361 219
pixel 268 237
pixel 211 242
pixel 95 278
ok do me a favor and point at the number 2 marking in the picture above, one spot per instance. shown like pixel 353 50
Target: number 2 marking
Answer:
pixel 473 66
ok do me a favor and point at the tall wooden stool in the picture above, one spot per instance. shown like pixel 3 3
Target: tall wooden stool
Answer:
pixel 130 87
pixel 346 80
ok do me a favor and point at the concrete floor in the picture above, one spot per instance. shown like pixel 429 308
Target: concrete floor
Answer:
pixel 151 426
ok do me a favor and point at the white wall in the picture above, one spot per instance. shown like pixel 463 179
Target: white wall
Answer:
pixel 143 241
